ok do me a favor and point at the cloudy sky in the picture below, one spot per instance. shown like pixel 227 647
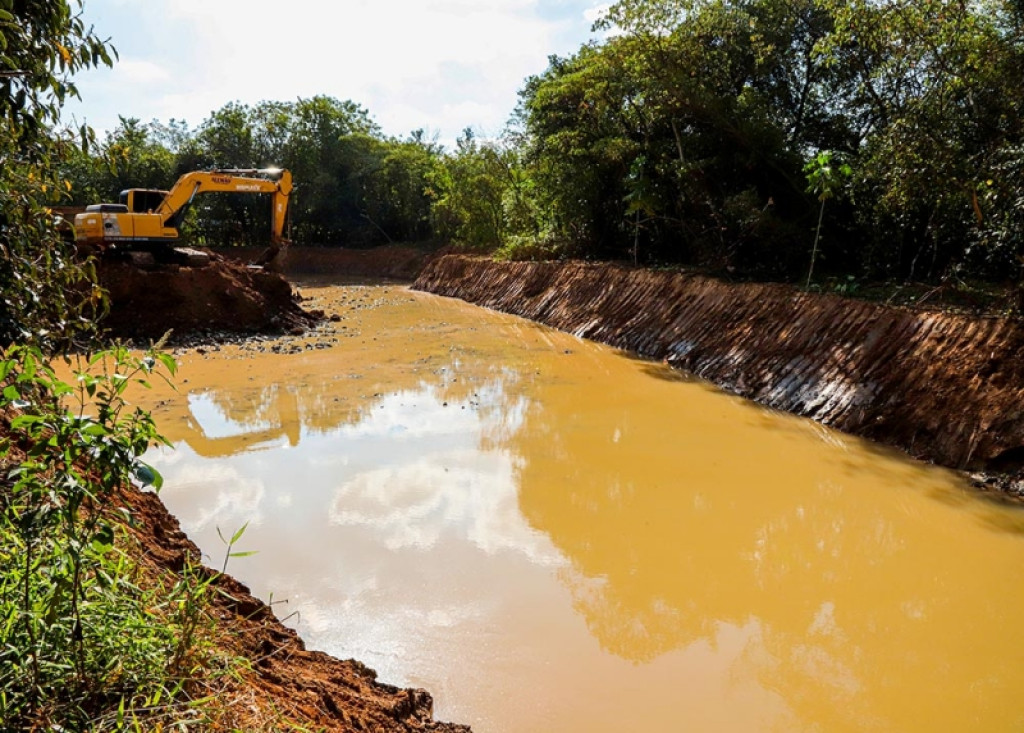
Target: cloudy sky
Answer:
pixel 441 65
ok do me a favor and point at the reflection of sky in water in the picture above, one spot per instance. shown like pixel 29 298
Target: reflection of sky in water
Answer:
pixel 411 472
pixel 568 542
pixel 414 469
pixel 214 423
pixel 382 534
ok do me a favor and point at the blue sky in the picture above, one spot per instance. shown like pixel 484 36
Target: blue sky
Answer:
pixel 441 65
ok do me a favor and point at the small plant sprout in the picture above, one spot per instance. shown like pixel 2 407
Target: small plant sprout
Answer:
pixel 826 176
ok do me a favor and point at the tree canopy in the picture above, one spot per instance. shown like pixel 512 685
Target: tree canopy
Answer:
pixel 42 44
pixel 355 186
pixel 689 135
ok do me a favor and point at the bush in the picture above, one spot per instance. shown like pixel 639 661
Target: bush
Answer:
pixel 84 643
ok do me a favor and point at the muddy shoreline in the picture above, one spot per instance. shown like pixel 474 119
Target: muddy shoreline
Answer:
pixel 944 388
pixel 293 686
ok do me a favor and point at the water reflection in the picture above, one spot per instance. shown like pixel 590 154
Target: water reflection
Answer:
pixel 862 589
pixel 501 513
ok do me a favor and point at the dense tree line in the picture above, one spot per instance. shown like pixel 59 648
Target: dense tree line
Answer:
pixel 883 138
pixel 355 187
pixel 711 132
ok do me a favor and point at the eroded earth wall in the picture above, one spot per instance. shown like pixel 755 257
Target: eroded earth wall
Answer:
pixel 946 388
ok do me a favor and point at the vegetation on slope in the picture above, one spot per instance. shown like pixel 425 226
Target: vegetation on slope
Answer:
pixel 90 642
pixel 87 641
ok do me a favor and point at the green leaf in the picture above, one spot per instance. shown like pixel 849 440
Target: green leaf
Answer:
pixel 95 429
pixel 238 534
pixel 25 421
pixel 148 476
pixel 168 361
pixel 103 539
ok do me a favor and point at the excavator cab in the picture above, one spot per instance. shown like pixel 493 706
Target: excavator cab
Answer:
pixel 142 200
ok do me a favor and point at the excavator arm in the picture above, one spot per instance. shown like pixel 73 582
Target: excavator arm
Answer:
pixel 175 204
pixel 132 227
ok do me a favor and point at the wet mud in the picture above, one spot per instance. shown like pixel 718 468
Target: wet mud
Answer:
pixel 943 387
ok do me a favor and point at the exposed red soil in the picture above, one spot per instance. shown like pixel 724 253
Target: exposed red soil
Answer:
pixel 227 297
pixel 306 688
pixel 224 296
pixel 943 387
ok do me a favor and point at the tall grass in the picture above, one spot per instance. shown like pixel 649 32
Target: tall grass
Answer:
pixel 87 641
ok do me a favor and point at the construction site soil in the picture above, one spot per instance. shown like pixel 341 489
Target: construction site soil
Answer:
pixel 944 388
pixel 223 296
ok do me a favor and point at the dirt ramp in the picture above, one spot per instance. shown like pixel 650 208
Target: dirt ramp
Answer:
pixel 946 388
pixel 224 296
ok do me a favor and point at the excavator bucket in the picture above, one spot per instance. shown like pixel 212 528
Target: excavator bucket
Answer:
pixel 272 258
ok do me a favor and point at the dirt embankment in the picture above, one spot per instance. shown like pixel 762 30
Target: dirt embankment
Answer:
pixel 945 388
pixel 224 296
pixel 283 684
pixel 228 298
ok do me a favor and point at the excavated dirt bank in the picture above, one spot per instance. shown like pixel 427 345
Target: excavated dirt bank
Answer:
pixel 310 690
pixel 224 296
pixel 944 388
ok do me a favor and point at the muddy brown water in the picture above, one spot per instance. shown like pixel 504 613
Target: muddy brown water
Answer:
pixel 549 535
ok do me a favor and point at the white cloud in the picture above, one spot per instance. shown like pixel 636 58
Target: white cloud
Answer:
pixel 238 500
pixel 594 14
pixel 437 64
pixel 470 492
pixel 598 12
pixel 135 71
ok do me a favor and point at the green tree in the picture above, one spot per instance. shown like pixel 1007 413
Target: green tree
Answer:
pixel 694 103
pixel 42 289
pixel 476 191
pixel 937 89
pixel 825 178
pixel 133 158
pixel 331 146
pixel 395 192
pixel 226 139
pixel 684 136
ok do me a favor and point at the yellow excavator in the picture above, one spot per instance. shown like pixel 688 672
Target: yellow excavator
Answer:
pixel 143 226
